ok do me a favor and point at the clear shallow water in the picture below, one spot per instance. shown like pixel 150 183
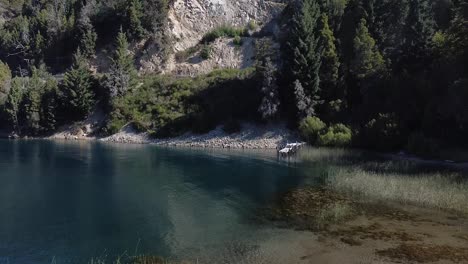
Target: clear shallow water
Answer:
pixel 75 200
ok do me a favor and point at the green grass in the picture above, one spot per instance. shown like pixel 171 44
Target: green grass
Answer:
pixel 326 154
pixel 428 189
pixel 371 177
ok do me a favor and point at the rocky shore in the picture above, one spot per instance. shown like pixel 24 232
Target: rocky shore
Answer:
pixel 250 137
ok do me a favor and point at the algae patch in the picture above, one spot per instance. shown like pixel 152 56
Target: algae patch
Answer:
pixel 426 253
pixel 312 208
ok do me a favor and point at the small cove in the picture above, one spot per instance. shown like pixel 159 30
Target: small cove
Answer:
pixel 73 201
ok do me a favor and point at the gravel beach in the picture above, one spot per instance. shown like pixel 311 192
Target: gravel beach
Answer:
pixel 250 137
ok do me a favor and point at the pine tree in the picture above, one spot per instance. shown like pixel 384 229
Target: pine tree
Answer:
pixel 367 59
pixel 76 94
pixel 49 106
pixel 39 47
pixel 31 103
pixel 334 10
pixel 135 15
pixel 122 72
pixel 417 34
pixel 330 62
pixel 270 102
pixel 13 102
pixel 305 51
pixel 458 33
pixel 303 102
pixel 87 36
pixel 387 28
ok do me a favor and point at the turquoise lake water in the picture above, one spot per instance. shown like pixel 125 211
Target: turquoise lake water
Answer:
pixel 66 202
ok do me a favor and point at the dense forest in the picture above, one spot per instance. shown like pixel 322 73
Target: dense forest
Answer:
pixel 381 74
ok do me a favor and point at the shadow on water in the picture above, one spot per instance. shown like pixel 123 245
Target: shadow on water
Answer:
pixel 255 175
pixel 76 200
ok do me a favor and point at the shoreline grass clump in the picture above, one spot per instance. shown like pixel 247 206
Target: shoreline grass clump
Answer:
pixel 326 154
pixel 432 190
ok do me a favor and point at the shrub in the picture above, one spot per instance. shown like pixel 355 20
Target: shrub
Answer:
pixel 237 41
pixel 419 144
pixel 114 123
pixel 223 31
pixel 168 106
pixel 205 52
pixel 337 135
pixel 310 127
pixel 183 55
pixel 252 26
pixel 139 126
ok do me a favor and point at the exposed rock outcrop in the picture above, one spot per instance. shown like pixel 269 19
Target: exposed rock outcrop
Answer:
pixel 190 20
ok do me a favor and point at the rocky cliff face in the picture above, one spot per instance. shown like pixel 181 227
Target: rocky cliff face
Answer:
pixel 190 20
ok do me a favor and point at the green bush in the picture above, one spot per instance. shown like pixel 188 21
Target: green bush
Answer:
pixel 237 41
pixel 170 106
pixel 337 135
pixel 183 55
pixel 310 127
pixel 205 52
pixel 252 26
pixel 223 31
pixel 421 145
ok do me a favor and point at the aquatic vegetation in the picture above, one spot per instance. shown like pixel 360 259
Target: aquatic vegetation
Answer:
pixel 425 253
pixel 313 208
pixel 125 259
pixel 374 231
pixel 435 190
pixel 321 154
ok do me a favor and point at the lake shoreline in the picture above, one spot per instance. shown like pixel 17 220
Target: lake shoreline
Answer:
pixel 251 136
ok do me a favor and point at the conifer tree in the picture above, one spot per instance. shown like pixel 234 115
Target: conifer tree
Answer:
pixel 458 33
pixel 388 24
pixel 270 102
pixel 367 59
pixel 122 72
pixel 303 102
pixel 417 34
pixel 87 37
pixel 13 103
pixel 135 15
pixel 76 94
pixel 330 62
pixel 49 106
pixel 305 51
pixel 31 103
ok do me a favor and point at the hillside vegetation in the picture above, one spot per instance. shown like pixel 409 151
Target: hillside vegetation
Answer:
pixel 385 74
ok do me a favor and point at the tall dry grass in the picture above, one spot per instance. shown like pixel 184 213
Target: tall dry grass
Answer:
pixel 435 190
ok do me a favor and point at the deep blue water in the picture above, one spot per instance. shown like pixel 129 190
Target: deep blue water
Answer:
pixel 71 201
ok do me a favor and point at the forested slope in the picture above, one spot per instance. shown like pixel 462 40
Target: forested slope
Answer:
pixel 383 74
